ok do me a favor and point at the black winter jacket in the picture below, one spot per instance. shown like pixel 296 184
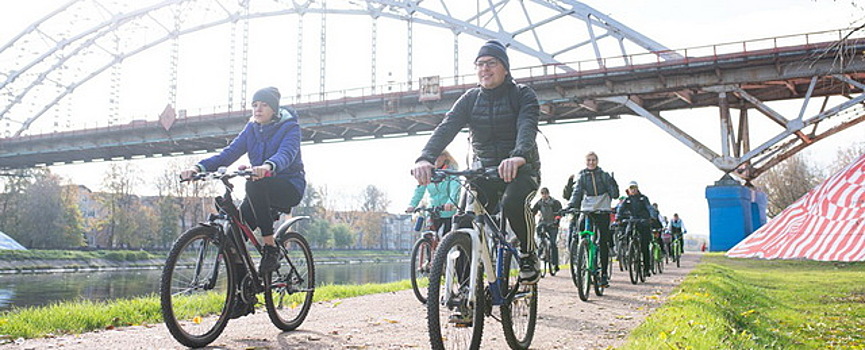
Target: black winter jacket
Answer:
pixel 497 130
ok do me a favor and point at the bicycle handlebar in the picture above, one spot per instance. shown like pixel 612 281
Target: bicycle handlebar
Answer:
pixel 222 173
pixel 575 211
pixel 440 175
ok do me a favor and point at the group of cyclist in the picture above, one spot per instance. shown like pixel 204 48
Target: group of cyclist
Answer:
pixel 502 118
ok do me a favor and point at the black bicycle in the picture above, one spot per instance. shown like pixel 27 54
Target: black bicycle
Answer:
pixel 545 248
pixel 210 277
pixel 422 252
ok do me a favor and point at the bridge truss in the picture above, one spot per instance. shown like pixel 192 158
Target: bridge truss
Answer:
pixel 587 66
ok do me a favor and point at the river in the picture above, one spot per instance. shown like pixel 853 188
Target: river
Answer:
pixel 21 290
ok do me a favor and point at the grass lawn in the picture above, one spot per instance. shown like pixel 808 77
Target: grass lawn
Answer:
pixel 758 304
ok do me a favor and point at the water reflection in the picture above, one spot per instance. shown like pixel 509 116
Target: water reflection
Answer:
pixel 21 290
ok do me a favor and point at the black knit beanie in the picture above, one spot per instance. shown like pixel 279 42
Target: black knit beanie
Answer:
pixel 497 50
pixel 269 95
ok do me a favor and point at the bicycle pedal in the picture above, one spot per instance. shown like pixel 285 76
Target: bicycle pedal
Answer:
pixel 459 321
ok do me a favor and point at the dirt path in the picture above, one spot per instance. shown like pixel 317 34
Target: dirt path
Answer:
pixel 398 321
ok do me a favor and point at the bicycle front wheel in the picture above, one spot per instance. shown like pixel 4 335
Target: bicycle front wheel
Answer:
pixel 289 290
pixel 195 289
pixel 634 270
pixel 520 309
pixel 421 260
pixel 582 277
pixel 454 320
pixel 659 259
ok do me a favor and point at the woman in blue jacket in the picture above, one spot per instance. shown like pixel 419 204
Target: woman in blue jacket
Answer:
pixel 444 194
pixel 271 140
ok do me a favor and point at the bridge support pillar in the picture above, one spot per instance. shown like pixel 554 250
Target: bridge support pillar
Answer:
pixel 735 211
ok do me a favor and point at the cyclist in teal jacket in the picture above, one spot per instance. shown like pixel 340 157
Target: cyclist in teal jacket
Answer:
pixel 444 194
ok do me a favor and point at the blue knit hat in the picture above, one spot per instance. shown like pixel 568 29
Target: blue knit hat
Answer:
pixel 495 49
pixel 270 96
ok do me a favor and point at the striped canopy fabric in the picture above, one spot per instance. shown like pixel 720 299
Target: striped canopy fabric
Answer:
pixel 826 224
pixel 7 243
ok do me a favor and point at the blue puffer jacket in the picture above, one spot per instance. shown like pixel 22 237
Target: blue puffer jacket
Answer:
pixel 277 144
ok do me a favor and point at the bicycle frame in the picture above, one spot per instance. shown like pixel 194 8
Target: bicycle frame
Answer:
pixel 232 226
pixel 484 229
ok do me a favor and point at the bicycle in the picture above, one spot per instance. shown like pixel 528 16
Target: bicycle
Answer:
pixel 421 253
pixel 545 248
pixel 468 256
pixel 584 252
pixel 634 255
pixel 201 286
pixel 657 253
pixel 676 248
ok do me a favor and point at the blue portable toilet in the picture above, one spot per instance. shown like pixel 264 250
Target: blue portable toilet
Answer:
pixel 735 211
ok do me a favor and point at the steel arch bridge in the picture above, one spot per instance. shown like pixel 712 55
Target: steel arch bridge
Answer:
pixel 85 38
pixel 587 66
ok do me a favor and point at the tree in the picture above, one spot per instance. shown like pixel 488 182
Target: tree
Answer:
pixel 845 157
pixel 49 216
pixel 11 199
pixel 343 237
pixel 318 233
pixel 117 225
pixel 374 200
pixel 787 182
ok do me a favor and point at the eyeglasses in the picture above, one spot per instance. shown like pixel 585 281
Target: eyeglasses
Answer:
pixel 488 63
pixel 633 187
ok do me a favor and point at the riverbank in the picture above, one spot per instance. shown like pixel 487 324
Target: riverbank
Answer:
pixel 50 261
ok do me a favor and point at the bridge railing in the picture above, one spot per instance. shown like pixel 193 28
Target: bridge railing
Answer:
pixel 706 53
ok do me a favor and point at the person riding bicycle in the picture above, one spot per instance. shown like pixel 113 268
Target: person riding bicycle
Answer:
pixel 549 208
pixel 677 230
pixel 502 117
pixel 443 194
pixel 594 190
pixel 271 140
pixel 638 206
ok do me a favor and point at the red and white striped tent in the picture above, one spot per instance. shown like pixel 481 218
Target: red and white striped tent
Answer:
pixel 826 224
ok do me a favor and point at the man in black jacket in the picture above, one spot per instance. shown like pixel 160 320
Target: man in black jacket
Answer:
pixel 637 206
pixel 502 117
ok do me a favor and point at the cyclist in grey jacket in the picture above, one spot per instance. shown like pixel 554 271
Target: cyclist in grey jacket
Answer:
pixel 502 118
pixel 595 183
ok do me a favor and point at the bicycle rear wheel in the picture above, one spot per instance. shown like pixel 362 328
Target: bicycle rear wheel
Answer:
pixel 659 259
pixel 583 277
pixel 421 260
pixel 289 289
pixel 195 289
pixel 454 321
pixel 520 309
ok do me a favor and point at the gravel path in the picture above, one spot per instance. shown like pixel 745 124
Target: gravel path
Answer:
pixel 398 321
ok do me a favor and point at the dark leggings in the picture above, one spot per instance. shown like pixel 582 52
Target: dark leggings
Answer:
pixel 602 222
pixel 261 196
pixel 515 197
pixel 645 237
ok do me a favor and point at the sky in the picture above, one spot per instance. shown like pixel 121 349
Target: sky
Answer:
pixel 631 148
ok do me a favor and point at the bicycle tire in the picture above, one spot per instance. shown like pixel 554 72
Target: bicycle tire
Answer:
pixel 573 248
pixel 543 257
pixel 421 259
pixel 290 289
pixel 634 259
pixel 583 279
pixel 520 309
pixel 678 254
pixel 553 267
pixel 659 262
pixel 458 332
pixel 196 302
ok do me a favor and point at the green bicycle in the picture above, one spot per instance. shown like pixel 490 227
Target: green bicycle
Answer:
pixel 583 249
pixel 676 249
pixel 657 251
